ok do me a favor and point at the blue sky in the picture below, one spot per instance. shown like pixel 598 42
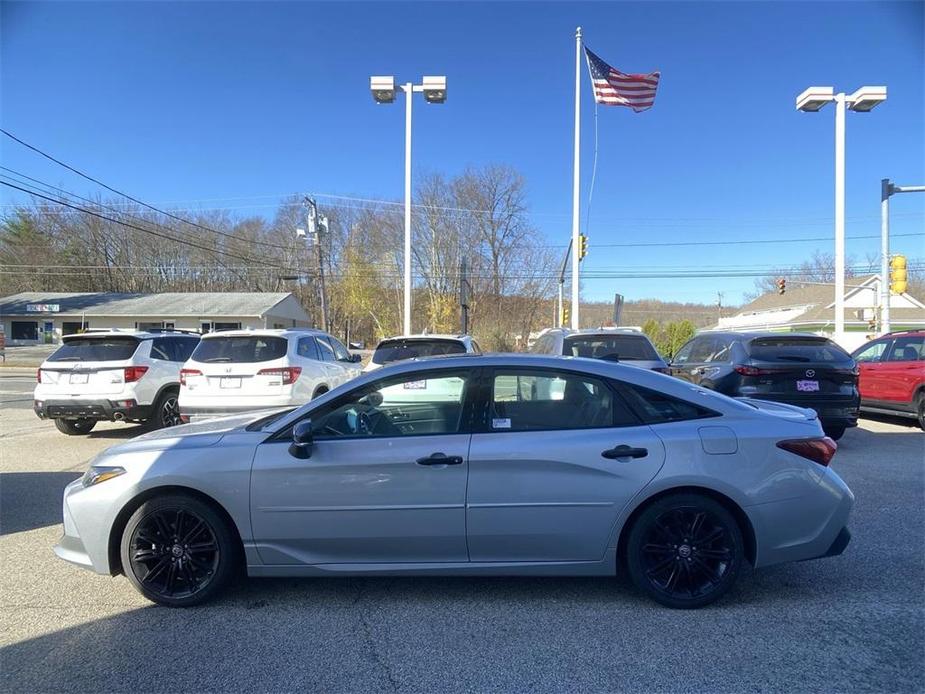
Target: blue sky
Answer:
pixel 224 103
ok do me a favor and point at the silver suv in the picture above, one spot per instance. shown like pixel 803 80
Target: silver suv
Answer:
pixel 113 375
pixel 625 345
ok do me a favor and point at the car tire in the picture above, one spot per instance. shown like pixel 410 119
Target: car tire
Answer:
pixel 834 433
pixel 178 551
pixel 920 410
pixel 166 411
pixel 75 427
pixel 685 550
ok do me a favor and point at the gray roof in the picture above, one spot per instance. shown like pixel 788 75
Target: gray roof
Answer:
pixel 798 294
pixel 167 304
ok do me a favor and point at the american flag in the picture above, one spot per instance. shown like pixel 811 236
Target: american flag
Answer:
pixel 615 88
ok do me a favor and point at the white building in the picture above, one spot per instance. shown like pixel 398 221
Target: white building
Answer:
pixel 32 318
pixel 811 308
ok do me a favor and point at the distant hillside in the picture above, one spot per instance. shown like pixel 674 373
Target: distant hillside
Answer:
pixel 638 312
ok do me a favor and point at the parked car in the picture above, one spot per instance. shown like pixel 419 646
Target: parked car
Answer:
pixel 245 370
pixel 403 347
pixel 892 375
pixel 112 375
pixel 800 369
pixel 629 469
pixel 625 345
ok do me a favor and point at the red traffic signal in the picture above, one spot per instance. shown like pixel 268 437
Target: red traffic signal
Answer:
pixel 781 285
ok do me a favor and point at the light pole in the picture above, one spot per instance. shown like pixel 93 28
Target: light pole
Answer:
pixel 434 90
pixel 887 189
pixel 864 99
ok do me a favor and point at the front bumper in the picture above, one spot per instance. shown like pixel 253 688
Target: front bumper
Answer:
pixel 109 410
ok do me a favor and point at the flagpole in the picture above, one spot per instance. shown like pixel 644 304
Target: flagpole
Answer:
pixel 576 183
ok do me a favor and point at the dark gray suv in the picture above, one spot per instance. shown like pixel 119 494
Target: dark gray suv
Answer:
pixel 625 345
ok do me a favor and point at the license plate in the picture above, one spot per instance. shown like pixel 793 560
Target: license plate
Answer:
pixel 229 382
pixel 415 385
pixel 80 378
pixel 808 386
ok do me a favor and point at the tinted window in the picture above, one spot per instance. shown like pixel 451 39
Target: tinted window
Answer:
pixel 406 405
pixel 684 354
pixel 657 408
pixel 611 347
pixel 390 351
pixel 183 347
pixel 533 400
pixel 307 348
pixel 339 350
pixel 324 347
pixel 244 349
pixel 907 349
pixel 162 348
pixel 702 349
pixel 871 352
pixel 796 349
pixel 96 349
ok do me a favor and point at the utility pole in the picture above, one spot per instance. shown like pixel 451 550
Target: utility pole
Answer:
pixel 316 225
pixel 887 189
pixel 719 307
pixel 464 295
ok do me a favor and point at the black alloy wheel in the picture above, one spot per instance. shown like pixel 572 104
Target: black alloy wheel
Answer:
pixel 177 551
pixel 167 410
pixel 685 551
pixel 920 410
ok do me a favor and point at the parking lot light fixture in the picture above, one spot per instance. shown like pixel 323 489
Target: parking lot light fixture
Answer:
pixel 434 90
pixel 864 99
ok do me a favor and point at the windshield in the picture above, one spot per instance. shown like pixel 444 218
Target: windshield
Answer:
pixel 390 351
pixel 796 350
pixel 245 349
pixel 96 349
pixel 611 347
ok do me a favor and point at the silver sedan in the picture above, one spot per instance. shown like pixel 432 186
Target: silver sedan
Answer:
pixel 478 465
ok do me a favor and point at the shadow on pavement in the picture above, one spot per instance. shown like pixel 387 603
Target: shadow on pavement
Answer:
pixel 121 432
pixel 30 500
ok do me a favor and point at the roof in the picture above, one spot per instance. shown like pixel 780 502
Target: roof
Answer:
pixel 139 305
pixel 139 334
pixel 278 332
pixel 430 336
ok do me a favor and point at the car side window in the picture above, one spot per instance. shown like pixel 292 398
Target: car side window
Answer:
pixel 684 354
pixel 721 350
pixel 340 352
pixel 538 399
pixel 654 407
pixel 702 350
pixel 162 349
pixel 907 349
pixel 327 351
pixel 872 352
pixel 183 347
pixel 427 403
pixel 307 349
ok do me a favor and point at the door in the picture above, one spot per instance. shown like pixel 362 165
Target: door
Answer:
pixel 348 368
pixel 691 359
pixel 546 475
pixel 870 372
pixel 384 482
pixel 902 368
pixel 332 370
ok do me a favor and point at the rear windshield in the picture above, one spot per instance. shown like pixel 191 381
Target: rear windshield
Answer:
pixel 96 349
pixel 796 349
pixel 611 347
pixel 245 349
pixel 399 350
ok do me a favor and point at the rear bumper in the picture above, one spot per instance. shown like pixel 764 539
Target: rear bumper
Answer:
pixel 831 411
pixel 110 410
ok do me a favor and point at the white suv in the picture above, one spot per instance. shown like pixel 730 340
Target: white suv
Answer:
pixel 245 370
pixel 403 347
pixel 131 376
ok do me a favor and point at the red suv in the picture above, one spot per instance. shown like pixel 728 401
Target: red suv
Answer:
pixel 893 374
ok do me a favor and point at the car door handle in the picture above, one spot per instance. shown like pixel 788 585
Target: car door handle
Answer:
pixel 625 452
pixel 440 459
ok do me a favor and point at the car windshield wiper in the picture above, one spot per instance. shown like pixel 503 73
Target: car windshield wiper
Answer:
pixel 70 359
pixel 792 357
pixel 215 359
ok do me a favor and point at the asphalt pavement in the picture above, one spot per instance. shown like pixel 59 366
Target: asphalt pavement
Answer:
pixel 16 386
pixel 849 623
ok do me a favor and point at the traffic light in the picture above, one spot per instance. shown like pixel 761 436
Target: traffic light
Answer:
pixel 898 274
pixel 565 314
pixel 582 246
pixel 781 285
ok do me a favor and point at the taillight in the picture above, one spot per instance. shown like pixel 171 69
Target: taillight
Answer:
pixel 185 373
pixel 820 450
pixel 38 375
pixel 745 370
pixel 133 373
pixel 289 374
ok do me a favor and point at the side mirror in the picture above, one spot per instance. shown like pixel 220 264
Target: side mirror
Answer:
pixel 302 440
pixel 356 358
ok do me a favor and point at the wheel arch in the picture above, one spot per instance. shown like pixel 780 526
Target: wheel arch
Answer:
pixel 745 525
pixel 320 390
pixel 118 526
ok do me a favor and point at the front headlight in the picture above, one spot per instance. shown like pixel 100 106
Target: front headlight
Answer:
pixel 100 473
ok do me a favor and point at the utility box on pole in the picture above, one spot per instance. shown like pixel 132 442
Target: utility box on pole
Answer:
pixel 617 309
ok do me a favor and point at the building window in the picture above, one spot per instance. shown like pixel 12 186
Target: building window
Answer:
pixel 226 326
pixel 24 330
pixel 73 327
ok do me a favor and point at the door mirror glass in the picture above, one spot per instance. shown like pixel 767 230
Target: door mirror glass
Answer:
pixel 302 440
pixel 356 358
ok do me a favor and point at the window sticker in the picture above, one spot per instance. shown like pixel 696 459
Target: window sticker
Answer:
pixel 499 423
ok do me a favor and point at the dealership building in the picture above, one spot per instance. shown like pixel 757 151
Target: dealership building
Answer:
pixel 33 318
